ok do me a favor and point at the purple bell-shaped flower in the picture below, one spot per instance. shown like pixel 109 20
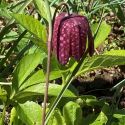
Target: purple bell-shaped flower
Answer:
pixel 70 34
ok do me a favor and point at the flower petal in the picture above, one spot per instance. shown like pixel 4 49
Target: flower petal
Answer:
pixel 64 43
pixel 70 36
pixel 55 31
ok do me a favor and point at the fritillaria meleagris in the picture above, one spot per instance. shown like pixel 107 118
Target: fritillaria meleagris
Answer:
pixel 70 34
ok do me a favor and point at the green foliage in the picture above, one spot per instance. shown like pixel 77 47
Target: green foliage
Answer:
pixel 89 100
pixel 27 83
pixel 101 118
pixel 32 25
pixel 55 71
pixel 108 59
pixel 38 89
pixel 14 119
pixel 72 114
pixel 102 32
pixel 23 62
pixel 56 118
pixel 28 115
pixel 40 5
pixel 3 94
pixel 24 68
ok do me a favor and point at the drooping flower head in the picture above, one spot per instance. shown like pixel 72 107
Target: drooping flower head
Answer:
pixel 70 34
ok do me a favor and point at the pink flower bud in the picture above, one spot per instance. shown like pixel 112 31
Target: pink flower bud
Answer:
pixel 70 34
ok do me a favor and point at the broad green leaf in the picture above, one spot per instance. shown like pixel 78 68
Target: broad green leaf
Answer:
pixel 56 119
pixel 24 68
pixel 40 4
pixel 102 33
pixel 108 59
pixel 39 89
pixel 30 113
pixel 32 25
pixel 115 53
pixel 72 113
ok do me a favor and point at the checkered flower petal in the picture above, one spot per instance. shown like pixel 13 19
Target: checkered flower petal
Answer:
pixel 70 35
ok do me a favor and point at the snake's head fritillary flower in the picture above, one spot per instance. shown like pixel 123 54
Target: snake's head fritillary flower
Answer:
pixel 70 34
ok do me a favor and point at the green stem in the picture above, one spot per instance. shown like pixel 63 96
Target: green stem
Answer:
pixel 57 8
pixel 48 61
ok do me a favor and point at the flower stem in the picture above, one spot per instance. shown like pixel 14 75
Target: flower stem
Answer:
pixel 48 61
pixel 57 8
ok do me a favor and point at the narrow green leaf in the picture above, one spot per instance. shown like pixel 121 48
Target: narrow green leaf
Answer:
pixel 40 4
pixel 108 59
pixel 115 53
pixel 72 113
pixel 11 36
pixel 30 113
pixel 32 25
pixel 37 77
pixel 38 89
pixel 102 33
